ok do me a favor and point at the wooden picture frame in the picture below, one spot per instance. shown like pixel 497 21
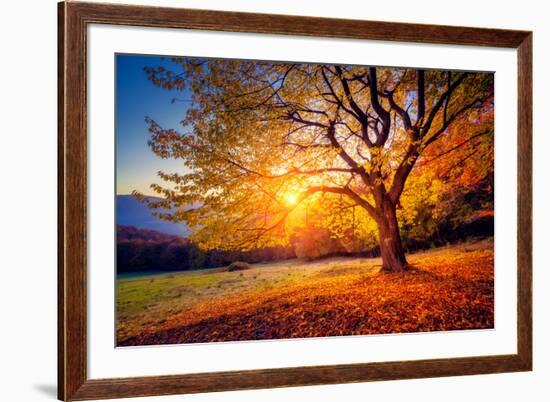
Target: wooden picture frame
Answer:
pixel 73 381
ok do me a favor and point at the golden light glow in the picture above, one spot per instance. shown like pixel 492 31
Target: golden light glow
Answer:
pixel 291 198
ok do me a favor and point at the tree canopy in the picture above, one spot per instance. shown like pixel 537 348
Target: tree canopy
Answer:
pixel 270 148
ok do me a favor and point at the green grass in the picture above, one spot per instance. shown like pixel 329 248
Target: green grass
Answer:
pixel 149 300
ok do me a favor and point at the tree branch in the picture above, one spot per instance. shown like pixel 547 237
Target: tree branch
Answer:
pixel 331 135
pixel 321 189
pixel 344 191
pixel 399 110
pixel 447 123
pixel 339 101
pixel 382 113
pixel 402 172
pixel 421 98
pixel 426 127
pixel 473 137
pixel 362 117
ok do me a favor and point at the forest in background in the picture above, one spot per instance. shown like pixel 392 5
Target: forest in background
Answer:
pixel 144 250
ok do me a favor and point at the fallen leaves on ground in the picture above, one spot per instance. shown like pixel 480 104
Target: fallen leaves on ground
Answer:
pixel 446 289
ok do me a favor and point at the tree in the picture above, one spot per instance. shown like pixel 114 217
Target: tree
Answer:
pixel 262 140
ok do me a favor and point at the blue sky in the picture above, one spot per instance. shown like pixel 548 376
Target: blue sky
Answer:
pixel 136 98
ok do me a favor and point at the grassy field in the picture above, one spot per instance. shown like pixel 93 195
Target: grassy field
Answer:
pixel 448 288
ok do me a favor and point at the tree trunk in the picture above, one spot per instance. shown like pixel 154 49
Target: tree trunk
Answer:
pixel 391 249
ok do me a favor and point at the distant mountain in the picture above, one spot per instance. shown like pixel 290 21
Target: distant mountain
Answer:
pixel 131 233
pixel 132 212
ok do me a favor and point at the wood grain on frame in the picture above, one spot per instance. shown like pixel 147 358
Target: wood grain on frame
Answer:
pixel 73 383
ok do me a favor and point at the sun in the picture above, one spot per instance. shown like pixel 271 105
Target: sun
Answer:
pixel 291 198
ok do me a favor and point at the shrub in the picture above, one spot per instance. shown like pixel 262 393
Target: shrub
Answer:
pixel 238 266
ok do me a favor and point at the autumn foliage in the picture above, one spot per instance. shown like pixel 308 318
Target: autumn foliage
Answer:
pixel 370 163
pixel 448 289
pixel 272 147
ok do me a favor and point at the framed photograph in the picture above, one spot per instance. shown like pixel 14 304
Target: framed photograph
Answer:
pixel 252 201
